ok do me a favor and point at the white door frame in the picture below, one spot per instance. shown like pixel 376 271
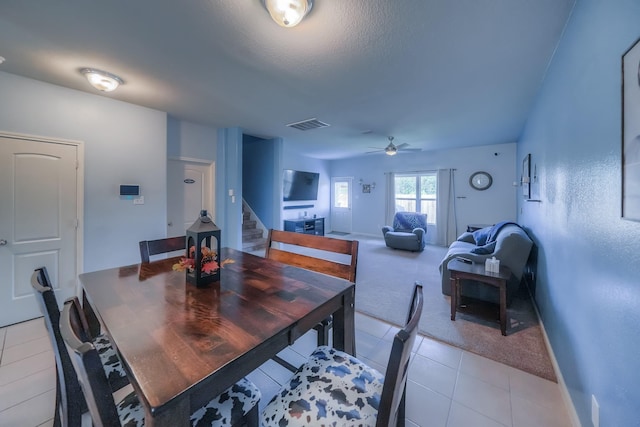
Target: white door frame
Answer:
pixel 79 192
pixel 211 164
pixel 349 210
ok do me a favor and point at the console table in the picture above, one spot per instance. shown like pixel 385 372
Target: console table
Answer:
pixel 305 225
pixel 474 271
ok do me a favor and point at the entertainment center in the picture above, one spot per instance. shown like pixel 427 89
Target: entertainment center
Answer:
pixel 306 226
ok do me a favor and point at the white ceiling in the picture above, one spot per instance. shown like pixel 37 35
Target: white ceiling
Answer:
pixel 435 74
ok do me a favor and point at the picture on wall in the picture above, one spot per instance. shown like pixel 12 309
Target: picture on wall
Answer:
pixel 631 133
pixel 525 181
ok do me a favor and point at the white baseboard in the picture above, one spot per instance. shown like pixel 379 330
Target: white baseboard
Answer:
pixel 566 397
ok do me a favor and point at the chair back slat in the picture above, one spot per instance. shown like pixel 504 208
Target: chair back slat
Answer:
pixel 327 244
pixel 392 400
pixel 161 246
pixel 88 367
pixel 70 402
pixel 331 268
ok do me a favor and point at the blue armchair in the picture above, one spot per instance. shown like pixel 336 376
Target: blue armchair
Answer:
pixel 408 231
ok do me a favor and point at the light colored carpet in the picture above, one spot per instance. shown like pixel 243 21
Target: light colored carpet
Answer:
pixel 384 284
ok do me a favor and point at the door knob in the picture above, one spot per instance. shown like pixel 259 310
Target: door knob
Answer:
pixel 3 242
pixel 170 223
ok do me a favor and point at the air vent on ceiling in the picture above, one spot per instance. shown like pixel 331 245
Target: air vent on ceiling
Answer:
pixel 308 124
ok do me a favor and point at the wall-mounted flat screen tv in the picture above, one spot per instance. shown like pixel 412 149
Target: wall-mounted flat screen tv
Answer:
pixel 299 185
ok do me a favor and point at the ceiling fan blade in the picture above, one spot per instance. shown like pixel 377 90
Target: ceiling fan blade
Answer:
pixel 401 146
pixel 376 151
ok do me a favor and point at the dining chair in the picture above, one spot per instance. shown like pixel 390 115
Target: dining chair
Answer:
pixel 70 402
pixel 344 270
pixel 161 246
pixel 236 406
pixel 335 388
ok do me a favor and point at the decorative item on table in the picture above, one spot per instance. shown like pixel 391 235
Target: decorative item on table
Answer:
pixel 203 255
pixel 492 265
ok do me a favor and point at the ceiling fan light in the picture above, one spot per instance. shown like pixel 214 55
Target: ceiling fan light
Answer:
pixel 391 149
pixel 288 13
pixel 101 80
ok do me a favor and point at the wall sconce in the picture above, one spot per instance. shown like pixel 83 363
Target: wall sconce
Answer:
pixel 366 188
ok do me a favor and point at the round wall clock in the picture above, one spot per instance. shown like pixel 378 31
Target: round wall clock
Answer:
pixel 480 180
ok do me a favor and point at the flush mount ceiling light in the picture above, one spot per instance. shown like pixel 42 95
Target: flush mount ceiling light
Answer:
pixel 101 80
pixel 288 13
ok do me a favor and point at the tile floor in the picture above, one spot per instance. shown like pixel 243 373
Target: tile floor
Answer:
pixel 447 387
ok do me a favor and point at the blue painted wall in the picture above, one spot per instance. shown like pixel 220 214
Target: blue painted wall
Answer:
pixel 258 177
pixel 498 203
pixel 190 141
pixel 293 159
pixel 588 288
pixel 123 143
pixel 229 179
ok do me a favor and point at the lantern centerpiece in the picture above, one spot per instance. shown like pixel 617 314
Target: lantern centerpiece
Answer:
pixel 204 253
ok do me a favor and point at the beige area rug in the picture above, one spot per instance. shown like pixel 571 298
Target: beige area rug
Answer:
pixel 384 284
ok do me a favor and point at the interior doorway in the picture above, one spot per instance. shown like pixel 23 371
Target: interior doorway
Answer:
pixel 40 210
pixel 190 185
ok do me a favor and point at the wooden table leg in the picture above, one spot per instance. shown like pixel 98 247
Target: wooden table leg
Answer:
pixel 503 308
pixel 178 416
pixel 343 329
pixel 454 297
pixel 90 315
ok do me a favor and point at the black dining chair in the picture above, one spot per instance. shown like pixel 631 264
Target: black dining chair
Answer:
pixel 335 388
pixel 161 246
pixel 236 406
pixel 70 403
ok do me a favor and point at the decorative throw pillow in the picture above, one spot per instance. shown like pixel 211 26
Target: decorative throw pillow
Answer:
pixel 481 236
pixel 484 250
pixel 466 237
pixel 407 221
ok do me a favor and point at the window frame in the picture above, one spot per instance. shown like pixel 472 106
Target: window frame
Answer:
pixel 418 199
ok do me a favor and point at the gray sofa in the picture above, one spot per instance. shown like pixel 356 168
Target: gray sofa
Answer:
pixel 507 242
pixel 408 231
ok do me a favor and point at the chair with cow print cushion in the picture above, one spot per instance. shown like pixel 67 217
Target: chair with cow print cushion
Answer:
pixel 334 388
pixel 70 403
pixel 236 406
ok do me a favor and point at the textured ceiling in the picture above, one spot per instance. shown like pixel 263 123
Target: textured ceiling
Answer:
pixel 435 74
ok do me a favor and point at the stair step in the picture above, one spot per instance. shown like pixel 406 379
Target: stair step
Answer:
pixel 248 224
pixel 251 234
pixel 254 245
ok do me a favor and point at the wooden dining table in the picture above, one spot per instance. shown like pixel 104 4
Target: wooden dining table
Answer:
pixel 182 345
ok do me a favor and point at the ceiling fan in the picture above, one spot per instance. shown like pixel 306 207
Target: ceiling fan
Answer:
pixel 392 149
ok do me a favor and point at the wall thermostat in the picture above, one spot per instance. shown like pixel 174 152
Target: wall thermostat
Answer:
pixel 129 190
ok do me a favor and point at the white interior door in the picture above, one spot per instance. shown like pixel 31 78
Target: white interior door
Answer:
pixel 341 204
pixel 38 222
pixel 189 190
